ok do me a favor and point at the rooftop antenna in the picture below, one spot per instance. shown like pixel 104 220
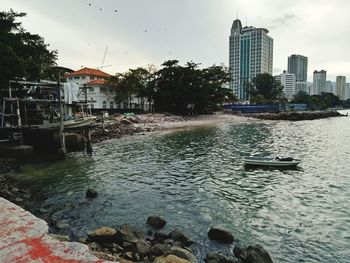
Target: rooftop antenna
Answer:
pixel 246 21
pixel 237 13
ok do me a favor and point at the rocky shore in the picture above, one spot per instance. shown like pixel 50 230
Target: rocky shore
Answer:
pixel 118 125
pixel 126 244
pixel 294 116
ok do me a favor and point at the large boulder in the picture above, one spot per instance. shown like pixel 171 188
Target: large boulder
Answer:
pixel 256 254
pixel 170 259
pixel 219 258
pixel 183 253
pixel 103 235
pixel 156 222
pixel 177 235
pixel 221 235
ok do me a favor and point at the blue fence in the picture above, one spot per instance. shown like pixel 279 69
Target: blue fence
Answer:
pixel 265 107
pixel 253 108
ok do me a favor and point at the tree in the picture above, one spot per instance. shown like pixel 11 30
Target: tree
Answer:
pixel 135 82
pixel 301 97
pixel 22 55
pixel 188 89
pixel 265 89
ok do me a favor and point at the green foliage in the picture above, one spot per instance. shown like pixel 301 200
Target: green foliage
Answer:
pixel 135 82
pixel 186 89
pixel 265 89
pixel 174 88
pixel 22 55
pixel 317 102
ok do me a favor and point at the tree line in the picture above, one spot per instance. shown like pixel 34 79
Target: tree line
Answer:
pixel 180 89
pixel 174 88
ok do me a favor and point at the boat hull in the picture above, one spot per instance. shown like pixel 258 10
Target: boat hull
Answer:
pixel 270 162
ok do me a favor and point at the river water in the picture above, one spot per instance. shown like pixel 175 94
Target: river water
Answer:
pixel 195 179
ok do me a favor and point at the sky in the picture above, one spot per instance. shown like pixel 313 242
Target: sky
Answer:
pixel 143 32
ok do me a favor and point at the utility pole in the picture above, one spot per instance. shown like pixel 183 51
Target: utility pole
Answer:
pixel 60 104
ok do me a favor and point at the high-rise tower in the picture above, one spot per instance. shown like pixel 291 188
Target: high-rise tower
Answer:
pixel 251 53
pixel 297 64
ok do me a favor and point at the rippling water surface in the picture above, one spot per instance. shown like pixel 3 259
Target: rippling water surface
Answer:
pixel 196 178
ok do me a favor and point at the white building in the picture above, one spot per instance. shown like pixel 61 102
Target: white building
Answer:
pixel 287 80
pixel 251 54
pixel 98 93
pixel 319 83
pixel 341 87
pixel 347 93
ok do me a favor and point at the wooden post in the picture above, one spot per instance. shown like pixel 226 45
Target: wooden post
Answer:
pixel 60 104
pixel 18 115
pixel 88 143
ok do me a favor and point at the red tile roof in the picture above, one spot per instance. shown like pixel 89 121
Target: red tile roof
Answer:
pixel 97 82
pixel 89 72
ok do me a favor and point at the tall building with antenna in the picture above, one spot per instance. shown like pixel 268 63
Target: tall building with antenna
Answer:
pixel 251 53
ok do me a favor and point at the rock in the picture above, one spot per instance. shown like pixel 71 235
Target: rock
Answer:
pixel 18 200
pixel 2 179
pixel 94 246
pixel 128 233
pixel 256 254
pixel 60 238
pixel 183 253
pixel 91 193
pixel 103 235
pixel 105 256
pixel 220 235
pixel 82 240
pixel 160 249
pixel 177 235
pixel 142 247
pixel 219 258
pixel 61 224
pixel 123 260
pixel 160 237
pixel 156 222
pixel 170 259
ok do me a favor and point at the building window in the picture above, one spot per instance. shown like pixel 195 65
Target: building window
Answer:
pixel 77 77
pixel 111 105
pixel 83 77
pixel 92 99
pixel 104 105
pixel 70 78
pixel 103 89
pixel 92 105
pixel 92 77
pixel 91 90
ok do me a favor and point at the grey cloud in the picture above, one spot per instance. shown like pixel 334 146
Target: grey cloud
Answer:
pixel 282 21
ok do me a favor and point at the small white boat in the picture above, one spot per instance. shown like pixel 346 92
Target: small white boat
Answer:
pixel 266 161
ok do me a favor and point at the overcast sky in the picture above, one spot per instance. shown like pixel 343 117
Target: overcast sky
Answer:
pixel 142 32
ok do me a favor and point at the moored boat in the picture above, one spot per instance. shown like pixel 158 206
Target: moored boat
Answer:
pixel 268 161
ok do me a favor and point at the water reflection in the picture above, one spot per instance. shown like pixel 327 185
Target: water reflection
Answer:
pixel 196 179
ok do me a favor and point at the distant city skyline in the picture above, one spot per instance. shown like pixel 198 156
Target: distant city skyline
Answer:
pixel 139 33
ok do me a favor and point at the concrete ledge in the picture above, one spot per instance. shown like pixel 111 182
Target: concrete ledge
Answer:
pixel 25 238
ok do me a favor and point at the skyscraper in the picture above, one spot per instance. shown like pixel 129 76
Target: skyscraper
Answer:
pixel 319 83
pixel 287 80
pixel 251 53
pixel 297 64
pixel 340 87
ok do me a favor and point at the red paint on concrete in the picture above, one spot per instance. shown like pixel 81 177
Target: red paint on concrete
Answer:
pixel 24 238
